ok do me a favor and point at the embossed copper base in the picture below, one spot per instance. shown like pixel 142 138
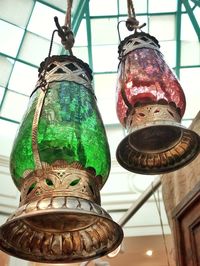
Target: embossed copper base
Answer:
pixel 53 226
pixel 156 143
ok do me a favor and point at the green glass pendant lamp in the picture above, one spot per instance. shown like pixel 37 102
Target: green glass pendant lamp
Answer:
pixel 60 160
pixel 150 105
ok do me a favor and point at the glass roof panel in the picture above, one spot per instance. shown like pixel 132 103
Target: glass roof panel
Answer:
pixel 42 21
pixel 81 36
pixel 168 49
pixel 197 14
pixel 6 68
pixel 14 111
pixel 188 58
pixel 187 32
pixel 11 37
pixel 107 110
pixel 7 134
pixel 108 35
pixel 23 78
pixel 105 87
pixel 102 8
pixel 35 49
pixel 105 58
pixel 190 80
pixel 140 6
pixel 156 6
pixel 162 27
pixel 115 134
pixel 82 53
pixel 10 10
pixel 58 4
pixel 2 89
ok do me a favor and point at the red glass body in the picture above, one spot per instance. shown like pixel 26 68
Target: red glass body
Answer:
pixel 146 78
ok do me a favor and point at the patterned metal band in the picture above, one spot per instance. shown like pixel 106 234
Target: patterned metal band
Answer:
pixel 140 40
pixel 152 114
pixel 66 70
pixel 60 179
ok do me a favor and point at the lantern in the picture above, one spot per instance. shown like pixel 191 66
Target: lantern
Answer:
pixel 150 105
pixel 59 162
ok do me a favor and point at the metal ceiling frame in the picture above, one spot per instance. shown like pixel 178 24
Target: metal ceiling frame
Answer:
pixel 83 11
pixel 192 17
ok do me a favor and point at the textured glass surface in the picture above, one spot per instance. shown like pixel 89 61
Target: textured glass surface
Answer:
pixel 146 78
pixel 70 128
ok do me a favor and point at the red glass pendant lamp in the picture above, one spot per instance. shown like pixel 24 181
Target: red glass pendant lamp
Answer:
pixel 150 105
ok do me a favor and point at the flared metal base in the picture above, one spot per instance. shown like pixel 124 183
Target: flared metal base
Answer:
pixel 157 143
pixel 158 148
pixel 60 229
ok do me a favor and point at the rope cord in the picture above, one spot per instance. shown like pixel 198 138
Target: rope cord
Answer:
pixel 131 9
pixel 157 201
pixel 132 23
pixel 68 14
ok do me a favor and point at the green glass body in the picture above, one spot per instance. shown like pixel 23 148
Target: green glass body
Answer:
pixel 70 128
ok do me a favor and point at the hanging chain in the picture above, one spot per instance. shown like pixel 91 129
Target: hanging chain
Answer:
pixel 132 23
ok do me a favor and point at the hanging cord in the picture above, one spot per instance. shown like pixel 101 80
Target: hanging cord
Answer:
pixel 132 23
pixel 157 201
pixel 65 32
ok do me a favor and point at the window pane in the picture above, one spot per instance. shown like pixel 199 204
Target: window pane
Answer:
pixel 104 31
pixel 14 106
pixel 190 80
pixel 6 67
pixel 81 52
pixel 7 134
pixel 81 36
pixel 42 21
pixel 10 11
pixel 188 58
pixel 35 49
pixel 105 58
pixel 105 87
pixel 23 78
pixel 140 6
pixel 187 31
pixel 99 8
pixel 168 49
pixel 162 6
pixel 10 38
pixel 115 134
pixel 62 4
pixel 162 27
pixel 107 109
pixel 2 89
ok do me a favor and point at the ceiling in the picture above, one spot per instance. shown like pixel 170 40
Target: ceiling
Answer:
pixel 25 29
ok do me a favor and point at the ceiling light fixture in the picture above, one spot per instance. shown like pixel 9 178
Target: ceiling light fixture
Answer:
pixel 149 252
pixel 150 105
pixel 60 160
